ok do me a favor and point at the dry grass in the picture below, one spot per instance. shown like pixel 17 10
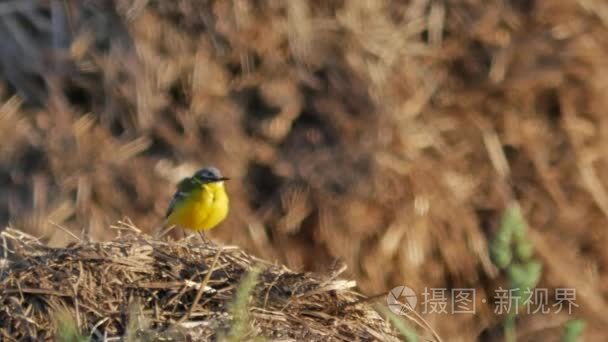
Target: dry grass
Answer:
pixel 387 135
pixel 181 290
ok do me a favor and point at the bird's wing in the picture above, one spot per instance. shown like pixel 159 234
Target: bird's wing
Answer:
pixel 183 190
pixel 176 197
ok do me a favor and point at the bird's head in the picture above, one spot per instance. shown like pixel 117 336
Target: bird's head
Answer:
pixel 209 175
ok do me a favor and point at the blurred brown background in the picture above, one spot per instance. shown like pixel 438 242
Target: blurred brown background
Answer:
pixel 388 136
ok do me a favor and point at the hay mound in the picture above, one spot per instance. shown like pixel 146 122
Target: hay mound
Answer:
pixel 101 283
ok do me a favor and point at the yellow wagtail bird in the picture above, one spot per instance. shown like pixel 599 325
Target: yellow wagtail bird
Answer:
pixel 200 202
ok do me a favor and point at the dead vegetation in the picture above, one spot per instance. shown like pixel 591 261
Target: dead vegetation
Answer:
pixel 388 135
pixel 137 286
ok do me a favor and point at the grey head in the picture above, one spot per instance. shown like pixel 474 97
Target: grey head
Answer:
pixel 209 175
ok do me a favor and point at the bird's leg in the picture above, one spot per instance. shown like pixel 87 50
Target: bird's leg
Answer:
pixel 203 236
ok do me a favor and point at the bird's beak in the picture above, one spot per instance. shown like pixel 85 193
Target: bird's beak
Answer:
pixel 223 179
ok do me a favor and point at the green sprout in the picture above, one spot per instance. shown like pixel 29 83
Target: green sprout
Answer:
pixel 239 309
pixel 407 333
pixel 573 330
pixel 512 252
pixel 66 328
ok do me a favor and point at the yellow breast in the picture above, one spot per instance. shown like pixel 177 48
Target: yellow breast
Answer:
pixel 203 209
